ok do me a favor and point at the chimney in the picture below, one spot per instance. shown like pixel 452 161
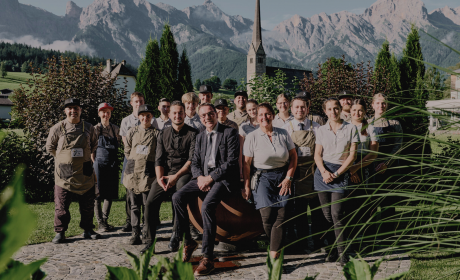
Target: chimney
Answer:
pixel 123 62
pixel 109 66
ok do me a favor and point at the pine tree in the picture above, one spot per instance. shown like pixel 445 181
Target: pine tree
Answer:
pixel 184 79
pixel 3 69
pixel 148 74
pixel 395 74
pixel 197 84
pixel 169 60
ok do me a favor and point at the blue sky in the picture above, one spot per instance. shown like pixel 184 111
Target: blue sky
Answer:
pixel 273 11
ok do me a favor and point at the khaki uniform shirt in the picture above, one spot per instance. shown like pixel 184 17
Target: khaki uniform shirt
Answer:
pixel 129 139
pixel 55 137
pixel 230 123
pixel 237 114
pixel 345 117
pixel 318 119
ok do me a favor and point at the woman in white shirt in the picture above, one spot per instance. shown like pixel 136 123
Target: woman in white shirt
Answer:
pixel 361 170
pixel 273 153
pixel 335 152
pixel 283 116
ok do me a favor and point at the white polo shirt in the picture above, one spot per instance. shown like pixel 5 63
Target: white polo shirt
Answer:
pixel 365 140
pixel 336 146
pixel 246 128
pixel 278 122
pixel 161 124
pixel 265 153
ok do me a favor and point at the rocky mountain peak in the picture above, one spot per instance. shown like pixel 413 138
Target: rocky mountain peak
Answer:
pixel 395 11
pixel 72 10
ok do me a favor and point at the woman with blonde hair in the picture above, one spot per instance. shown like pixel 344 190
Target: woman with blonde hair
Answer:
pixel 390 141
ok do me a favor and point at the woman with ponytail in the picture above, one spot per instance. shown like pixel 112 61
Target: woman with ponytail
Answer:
pixel 361 170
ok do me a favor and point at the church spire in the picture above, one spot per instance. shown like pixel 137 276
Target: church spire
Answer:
pixel 257 30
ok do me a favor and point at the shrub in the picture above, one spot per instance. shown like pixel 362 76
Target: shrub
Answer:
pixel 39 105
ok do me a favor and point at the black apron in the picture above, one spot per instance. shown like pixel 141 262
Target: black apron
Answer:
pixel 106 166
pixel 386 145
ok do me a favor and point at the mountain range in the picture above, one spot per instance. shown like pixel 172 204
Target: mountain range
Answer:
pixel 217 42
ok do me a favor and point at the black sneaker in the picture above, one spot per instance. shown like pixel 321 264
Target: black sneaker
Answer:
pixel 195 234
pixel 135 240
pixel 103 227
pixel 174 243
pixel 59 238
pixel 91 234
pixel 127 228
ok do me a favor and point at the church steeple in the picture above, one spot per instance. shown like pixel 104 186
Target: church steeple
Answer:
pixel 257 29
pixel 256 64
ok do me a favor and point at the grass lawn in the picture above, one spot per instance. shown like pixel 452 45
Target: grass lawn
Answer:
pixel 45 216
pixel 13 80
pixel 441 267
pixel 443 137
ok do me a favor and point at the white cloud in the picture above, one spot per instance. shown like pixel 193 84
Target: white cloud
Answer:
pixel 78 47
pixel 448 38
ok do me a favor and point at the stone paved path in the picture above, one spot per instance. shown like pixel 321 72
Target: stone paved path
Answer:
pixel 84 259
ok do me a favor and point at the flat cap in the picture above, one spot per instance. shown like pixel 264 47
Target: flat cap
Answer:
pixel 72 102
pixel 344 94
pixel 241 93
pixel 146 108
pixel 205 89
pixel 304 94
pixel 221 102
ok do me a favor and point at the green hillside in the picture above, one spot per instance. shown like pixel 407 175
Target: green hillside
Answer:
pixel 13 80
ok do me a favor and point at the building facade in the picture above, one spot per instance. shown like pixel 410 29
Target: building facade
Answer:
pixel 123 74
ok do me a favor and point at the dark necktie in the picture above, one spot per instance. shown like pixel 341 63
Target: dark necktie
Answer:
pixel 301 126
pixel 208 153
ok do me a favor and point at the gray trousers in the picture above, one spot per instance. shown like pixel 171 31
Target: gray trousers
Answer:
pixel 102 213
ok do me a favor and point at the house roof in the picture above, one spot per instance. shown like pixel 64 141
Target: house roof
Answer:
pixel 5 102
pixel 6 91
pixel 457 71
pixel 443 104
pixel 119 69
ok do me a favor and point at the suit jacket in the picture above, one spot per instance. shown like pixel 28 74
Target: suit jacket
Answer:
pixel 227 153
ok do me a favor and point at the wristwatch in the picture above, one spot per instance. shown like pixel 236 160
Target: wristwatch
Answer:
pixel 290 178
pixel 336 174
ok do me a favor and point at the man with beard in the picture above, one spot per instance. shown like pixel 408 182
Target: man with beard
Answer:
pixel 345 97
pixel 239 115
pixel 71 142
pixel 174 152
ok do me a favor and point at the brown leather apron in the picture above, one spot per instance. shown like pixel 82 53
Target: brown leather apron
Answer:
pixel 71 171
pixel 140 167
pixel 304 141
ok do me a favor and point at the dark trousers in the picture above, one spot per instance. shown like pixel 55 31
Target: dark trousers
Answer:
pixel 387 205
pixel 334 216
pixel 153 204
pixel 211 200
pixel 128 203
pixel 102 213
pixel 62 200
pixel 272 218
pixel 317 220
pixel 137 201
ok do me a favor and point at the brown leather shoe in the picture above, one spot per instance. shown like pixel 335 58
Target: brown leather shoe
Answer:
pixel 188 250
pixel 206 266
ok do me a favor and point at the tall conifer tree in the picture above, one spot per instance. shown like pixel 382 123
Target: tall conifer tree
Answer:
pixel 148 74
pixel 185 73
pixel 169 60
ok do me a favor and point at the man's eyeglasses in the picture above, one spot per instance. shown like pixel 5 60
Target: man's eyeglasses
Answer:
pixel 210 114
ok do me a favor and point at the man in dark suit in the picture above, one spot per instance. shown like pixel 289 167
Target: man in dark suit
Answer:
pixel 214 165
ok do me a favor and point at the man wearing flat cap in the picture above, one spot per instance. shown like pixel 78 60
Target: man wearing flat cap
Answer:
pixel 346 98
pixel 71 142
pixel 239 115
pixel 205 94
pixel 222 112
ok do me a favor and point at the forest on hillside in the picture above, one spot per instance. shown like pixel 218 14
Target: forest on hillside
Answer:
pixel 17 57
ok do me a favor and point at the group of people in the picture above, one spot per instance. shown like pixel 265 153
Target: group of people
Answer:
pixel 196 148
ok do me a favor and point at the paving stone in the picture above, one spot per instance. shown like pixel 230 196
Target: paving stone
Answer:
pixel 86 259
